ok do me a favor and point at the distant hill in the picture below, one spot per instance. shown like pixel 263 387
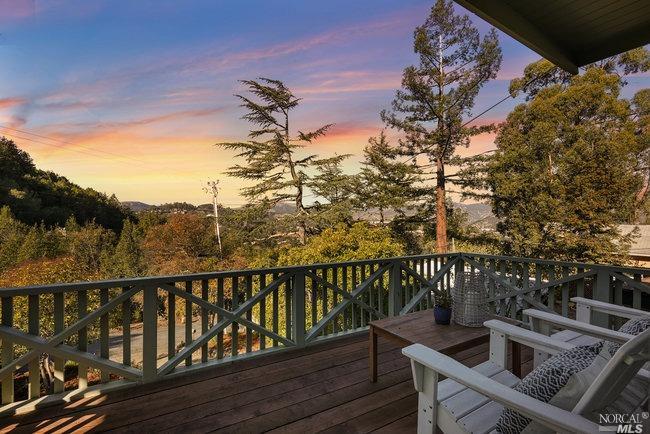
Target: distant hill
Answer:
pixel 479 215
pixel 137 206
pixel 36 196
pixel 283 208
pixel 172 207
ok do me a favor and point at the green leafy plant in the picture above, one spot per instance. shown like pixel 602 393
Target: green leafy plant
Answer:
pixel 442 298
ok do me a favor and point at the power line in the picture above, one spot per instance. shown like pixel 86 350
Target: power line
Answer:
pixel 84 150
pixel 53 145
pixel 68 143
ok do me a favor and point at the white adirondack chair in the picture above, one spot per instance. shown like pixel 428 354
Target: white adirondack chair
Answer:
pixel 580 331
pixel 471 400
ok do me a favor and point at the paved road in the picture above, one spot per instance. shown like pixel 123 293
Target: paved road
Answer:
pixel 115 341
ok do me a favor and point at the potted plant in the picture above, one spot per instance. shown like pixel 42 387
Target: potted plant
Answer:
pixel 442 307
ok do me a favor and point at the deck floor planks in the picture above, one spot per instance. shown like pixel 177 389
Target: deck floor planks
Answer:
pixel 275 413
pixel 333 348
pixel 249 404
pixel 405 424
pixel 374 401
pixel 317 388
pixel 378 418
pixel 232 382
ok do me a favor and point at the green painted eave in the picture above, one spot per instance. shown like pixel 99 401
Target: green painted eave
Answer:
pixel 569 33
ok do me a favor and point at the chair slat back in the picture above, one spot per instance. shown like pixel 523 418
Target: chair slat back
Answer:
pixel 617 373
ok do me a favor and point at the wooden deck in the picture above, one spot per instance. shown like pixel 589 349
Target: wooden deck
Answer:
pixel 321 388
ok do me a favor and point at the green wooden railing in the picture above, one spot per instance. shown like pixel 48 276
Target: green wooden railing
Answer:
pixel 145 329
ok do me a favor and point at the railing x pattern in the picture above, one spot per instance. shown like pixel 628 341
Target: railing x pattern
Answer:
pixel 75 338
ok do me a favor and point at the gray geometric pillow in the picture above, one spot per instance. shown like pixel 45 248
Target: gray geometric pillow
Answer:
pixel 545 381
pixel 632 327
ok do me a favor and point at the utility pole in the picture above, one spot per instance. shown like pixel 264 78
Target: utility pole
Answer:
pixel 213 189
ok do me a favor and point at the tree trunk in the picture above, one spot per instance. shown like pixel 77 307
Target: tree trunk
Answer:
pixel 441 205
pixel 47 375
pixel 300 207
pixel 302 225
pixel 640 197
pixel 441 208
pixel 217 229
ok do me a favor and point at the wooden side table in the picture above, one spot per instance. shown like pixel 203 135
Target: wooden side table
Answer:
pixel 420 327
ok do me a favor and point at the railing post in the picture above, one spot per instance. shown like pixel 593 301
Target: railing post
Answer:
pixel 458 268
pixel 395 289
pixel 149 333
pixel 298 308
pixel 7 350
pixel 601 293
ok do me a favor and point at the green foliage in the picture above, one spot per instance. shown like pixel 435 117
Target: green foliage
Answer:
pixel 385 182
pixel 91 245
pixel 342 243
pixel 563 175
pixel 40 243
pixel 36 196
pixel 641 111
pixel 127 259
pixel 336 188
pixel 12 234
pixel 436 95
pixel 442 298
pixel 542 74
pixel 179 245
pixel 331 183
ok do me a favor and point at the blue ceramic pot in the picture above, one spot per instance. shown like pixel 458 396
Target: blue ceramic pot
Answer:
pixel 442 315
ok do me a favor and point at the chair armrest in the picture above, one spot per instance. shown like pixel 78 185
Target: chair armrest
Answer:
pixel 528 338
pixel 546 414
pixel 611 309
pixel 578 326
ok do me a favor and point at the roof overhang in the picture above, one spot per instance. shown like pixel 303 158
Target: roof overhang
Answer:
pixel 569 33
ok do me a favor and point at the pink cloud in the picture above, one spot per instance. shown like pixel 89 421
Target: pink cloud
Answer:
pixel 17 9
pixel 351 81
pixel 11 102
pixel 395 23
pixel 12 121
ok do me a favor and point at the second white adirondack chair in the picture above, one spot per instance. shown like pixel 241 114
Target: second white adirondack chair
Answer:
pixel 580 331
pixel 471 400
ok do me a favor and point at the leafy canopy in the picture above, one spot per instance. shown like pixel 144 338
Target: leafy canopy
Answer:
pixel 563 174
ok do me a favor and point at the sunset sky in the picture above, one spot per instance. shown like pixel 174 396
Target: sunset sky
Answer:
pixel 128 97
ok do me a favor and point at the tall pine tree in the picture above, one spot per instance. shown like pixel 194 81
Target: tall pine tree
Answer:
pixel 438 95
pixel 270 153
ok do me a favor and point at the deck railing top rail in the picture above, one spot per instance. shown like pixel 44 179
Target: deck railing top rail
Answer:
pixel 521 259
pixel 154 280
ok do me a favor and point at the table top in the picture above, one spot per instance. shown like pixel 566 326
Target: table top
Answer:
pixel 420 327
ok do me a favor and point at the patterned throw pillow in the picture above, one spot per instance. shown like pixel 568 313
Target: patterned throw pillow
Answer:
pixel 545 381
pixel 632 327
